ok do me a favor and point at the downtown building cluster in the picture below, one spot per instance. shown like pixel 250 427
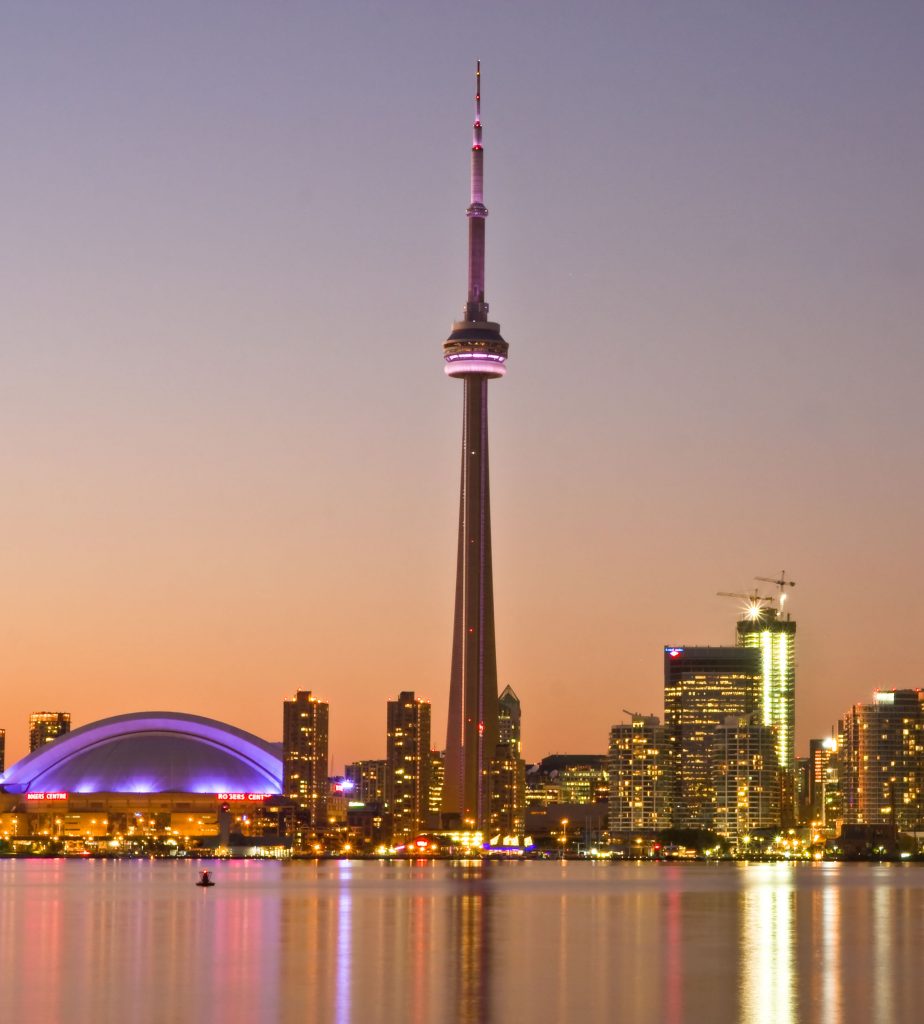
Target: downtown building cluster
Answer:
pixel 723 759
pixel 395 801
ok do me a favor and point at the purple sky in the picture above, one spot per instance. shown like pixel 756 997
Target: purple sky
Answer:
pixel 234 241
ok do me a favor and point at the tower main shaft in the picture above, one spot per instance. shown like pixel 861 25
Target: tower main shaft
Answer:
pixel 476 352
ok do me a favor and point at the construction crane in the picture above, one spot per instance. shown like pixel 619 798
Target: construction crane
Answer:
pixel 754 603
pixel 782 583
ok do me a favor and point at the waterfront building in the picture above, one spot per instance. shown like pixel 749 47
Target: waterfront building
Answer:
pixel 508 769
pixel 45 726
pixel 702 687
pixel 822 789
pixel 881 760
pixel 407 777
pixel 746 777
pixel 475 353
pixel 765 630
pixel 639 776
pixel 305 755
pixel 368 778
pixel 508 793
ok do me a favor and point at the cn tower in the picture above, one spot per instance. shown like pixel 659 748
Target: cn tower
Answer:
pixel 475 352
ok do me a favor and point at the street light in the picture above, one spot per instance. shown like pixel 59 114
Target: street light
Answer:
pixel 563 838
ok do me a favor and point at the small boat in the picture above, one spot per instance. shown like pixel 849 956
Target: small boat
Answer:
pixel 205 879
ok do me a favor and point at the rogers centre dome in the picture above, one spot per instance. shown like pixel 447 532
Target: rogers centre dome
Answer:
pixel 150 752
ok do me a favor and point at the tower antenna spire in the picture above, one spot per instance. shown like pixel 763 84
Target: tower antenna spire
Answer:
pixel 475 307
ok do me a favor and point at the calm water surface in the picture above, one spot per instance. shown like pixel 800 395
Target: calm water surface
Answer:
pixel 344 941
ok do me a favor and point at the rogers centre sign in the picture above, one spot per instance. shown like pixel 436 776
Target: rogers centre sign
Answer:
pixel 46 796
pixel 253 797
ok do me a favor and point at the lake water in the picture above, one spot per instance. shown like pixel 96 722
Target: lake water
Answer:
pixel 342 941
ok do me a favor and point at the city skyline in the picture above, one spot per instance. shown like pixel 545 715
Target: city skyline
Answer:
pixel 221 489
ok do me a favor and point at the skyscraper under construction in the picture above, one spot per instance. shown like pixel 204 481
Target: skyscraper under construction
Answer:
pixel 765 629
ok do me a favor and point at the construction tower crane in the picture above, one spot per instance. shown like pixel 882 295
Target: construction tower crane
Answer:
pixel 781 583
pixel 755 604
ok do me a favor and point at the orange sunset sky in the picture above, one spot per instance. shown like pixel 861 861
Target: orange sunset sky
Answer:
pixel 234 241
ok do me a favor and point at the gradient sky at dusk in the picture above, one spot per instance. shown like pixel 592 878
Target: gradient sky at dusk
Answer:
pixel 234 241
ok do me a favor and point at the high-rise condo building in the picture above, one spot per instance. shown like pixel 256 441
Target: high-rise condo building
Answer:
pixel 305 755
pixel 474 353
pixel 508 770
pixel 639 776
pixel 881 755
pixel 407 778
pixel 702 687
pixel 509 716
pixel 45 726
pixel 368 778
pixel 764 630
pixel 746 776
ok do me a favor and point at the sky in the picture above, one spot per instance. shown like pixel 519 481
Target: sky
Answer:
pixel 234 242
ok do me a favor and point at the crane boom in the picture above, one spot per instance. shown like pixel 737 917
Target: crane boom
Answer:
pixel 781 583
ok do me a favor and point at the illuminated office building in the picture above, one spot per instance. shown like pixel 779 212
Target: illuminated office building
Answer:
pixel 881 760
pixel 702 687
pixel 305 755
pixel 583 783
pixel 407 777
pixel 45 726
pixel 775 638
pixel 639 776
pixel 746 777
pixel 368 778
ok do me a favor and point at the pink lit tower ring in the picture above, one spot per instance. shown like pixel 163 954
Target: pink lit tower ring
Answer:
pixel 474 352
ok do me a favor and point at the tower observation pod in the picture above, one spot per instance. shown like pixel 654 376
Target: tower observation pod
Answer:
pixel 476 353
